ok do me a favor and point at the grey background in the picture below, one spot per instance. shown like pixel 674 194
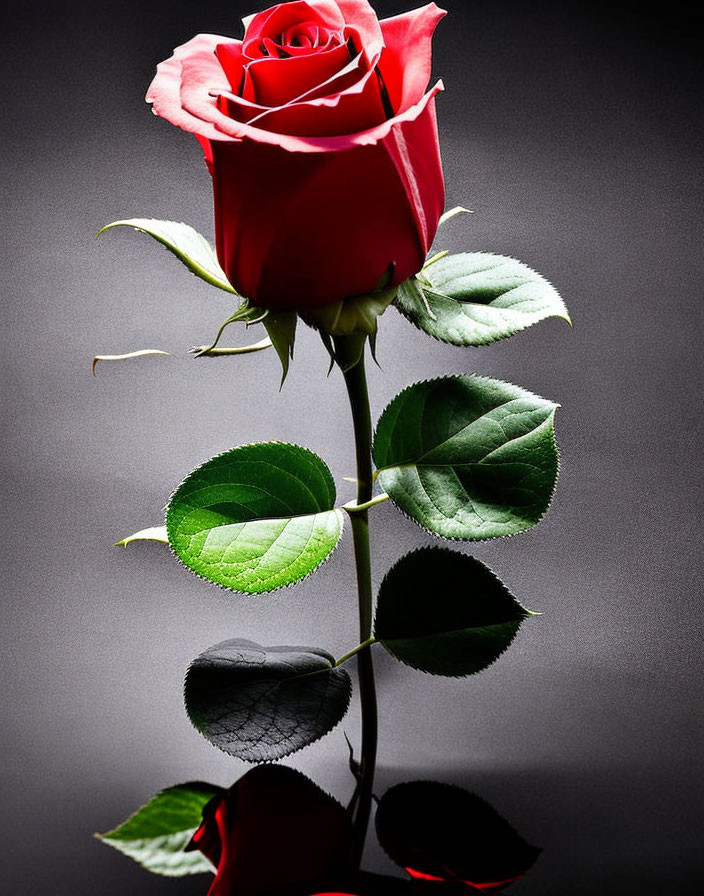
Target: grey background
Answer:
pixel 574 134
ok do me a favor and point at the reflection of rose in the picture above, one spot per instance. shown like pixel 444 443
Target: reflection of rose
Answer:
pixel 271 831
pixel 322 144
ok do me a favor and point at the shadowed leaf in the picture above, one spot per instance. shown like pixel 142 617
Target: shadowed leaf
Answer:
pixel 445 613
pixel 443 833
pixel 261 703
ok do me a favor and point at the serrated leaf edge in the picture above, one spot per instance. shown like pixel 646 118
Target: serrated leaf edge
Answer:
pixel 257 762
pixel 528 613
pixel 454 538
pixel 337 510
pixel 195 269
pixel 490 340
pixel 110 840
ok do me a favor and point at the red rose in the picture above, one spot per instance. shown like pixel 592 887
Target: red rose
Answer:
pixel 322 144
pixel 274 829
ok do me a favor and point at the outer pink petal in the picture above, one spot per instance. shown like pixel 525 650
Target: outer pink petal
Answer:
pixel 185 91
pixel 406 61
pixel 189 100
pixel 360 14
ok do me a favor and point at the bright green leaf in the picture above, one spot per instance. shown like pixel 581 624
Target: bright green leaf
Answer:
pixel 255 518
pixel 187 245
pixel 468 457
pixel 445 613
pixel 155 836
pixel 262 703
pixel 476 298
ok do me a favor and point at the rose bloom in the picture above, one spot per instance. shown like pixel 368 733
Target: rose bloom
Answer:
pixel 272 831
pixel 322 144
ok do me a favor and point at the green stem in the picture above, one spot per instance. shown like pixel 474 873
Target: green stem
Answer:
pixel 360 647
pixel 348 349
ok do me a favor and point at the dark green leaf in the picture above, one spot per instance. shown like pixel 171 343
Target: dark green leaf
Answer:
pixel 187 245
pixel 445 613
pixel 255 518
pixel 468 457
pixel 281 327
pixel 452 835
pixel 155 836
pixel 476 298
pixel 262 703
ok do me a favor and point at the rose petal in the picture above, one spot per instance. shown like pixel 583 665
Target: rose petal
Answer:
pixel 185 90
pixel 341 219
pixel 414 148
pixel 405 62
pixel 347 101
pixel 204 80
pixel 274 21
pixel 275 830
pixel 279 81
pixel 232 61
pixel 360 14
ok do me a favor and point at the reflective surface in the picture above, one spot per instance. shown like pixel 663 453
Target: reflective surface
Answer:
pixel 575 137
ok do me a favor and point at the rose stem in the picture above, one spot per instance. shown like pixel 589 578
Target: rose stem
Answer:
pixel 347 349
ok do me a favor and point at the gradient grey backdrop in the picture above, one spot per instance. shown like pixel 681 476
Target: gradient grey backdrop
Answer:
pixel 574 134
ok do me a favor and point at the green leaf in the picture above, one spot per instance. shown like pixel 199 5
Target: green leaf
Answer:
pixel 451 835
pixel 255 518
pixel 155 836
pixel 468 457
pixel 262 703
pixel 476 298
pixel 187 245
pixel 281 327
pixel 445 613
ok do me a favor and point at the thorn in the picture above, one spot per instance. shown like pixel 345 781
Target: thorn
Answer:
pixel 124 357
